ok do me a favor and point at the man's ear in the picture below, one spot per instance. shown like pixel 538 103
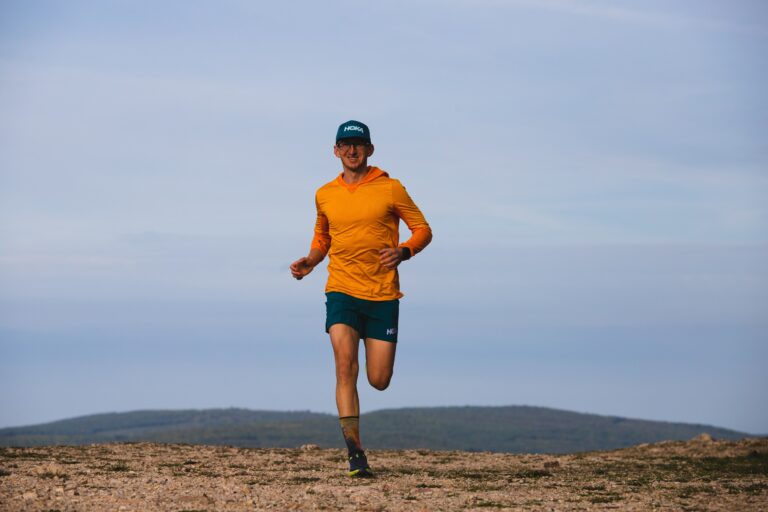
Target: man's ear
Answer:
pixel 370 149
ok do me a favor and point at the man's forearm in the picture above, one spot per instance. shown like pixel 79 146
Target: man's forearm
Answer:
pixel 315 256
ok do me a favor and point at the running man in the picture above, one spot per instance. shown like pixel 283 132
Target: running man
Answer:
pixel 358 217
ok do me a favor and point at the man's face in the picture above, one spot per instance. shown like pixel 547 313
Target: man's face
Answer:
pixel 353 153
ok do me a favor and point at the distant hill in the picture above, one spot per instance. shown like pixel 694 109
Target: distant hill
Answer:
pixel 513 429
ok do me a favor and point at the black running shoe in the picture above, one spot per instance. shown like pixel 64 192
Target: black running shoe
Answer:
pixel 358 465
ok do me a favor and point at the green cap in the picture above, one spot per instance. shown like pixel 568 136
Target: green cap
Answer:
pixel 353 130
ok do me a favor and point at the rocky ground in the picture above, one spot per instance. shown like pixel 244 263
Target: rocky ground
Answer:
pixel 701 474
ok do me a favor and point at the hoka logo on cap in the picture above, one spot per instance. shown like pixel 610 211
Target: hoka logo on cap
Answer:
pixel 353 129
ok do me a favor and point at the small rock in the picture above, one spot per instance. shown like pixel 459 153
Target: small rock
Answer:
pixel 703 438
pixel 29 495
pixel 309 447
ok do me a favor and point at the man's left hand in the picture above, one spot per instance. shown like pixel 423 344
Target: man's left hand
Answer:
pixel 391 257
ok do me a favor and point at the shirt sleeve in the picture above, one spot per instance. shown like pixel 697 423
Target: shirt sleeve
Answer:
pixel 322 239
pixel 421 233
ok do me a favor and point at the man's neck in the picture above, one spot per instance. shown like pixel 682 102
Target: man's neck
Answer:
pixel 353 176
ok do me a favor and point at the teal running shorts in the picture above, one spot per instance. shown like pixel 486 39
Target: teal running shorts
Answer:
pixel 370 318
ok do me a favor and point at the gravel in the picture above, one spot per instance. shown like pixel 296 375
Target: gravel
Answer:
pixel 701 474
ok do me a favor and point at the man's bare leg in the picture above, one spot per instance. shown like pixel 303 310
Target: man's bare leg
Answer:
pixel 379 362
pixel 345 341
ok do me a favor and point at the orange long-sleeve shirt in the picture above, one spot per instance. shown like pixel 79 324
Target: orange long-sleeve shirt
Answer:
pixel 354 222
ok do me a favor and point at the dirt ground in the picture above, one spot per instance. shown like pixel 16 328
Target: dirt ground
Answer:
pixel 701 474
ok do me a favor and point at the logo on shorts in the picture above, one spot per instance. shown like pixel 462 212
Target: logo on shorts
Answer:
pixel 391 331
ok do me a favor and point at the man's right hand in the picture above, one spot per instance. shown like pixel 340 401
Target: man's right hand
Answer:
pixel 301 267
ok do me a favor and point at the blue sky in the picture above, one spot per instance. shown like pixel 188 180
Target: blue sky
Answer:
pixel 594 173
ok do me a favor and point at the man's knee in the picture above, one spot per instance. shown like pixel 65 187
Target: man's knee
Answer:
pixel 346 368
pixel 381 381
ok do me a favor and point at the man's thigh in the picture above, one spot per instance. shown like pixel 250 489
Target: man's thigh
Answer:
pixel 345 341
pixel 379 355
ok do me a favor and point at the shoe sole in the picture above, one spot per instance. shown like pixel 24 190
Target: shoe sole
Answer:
pixel 361 473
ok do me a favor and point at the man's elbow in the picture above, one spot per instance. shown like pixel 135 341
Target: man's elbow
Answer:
pixel 428 234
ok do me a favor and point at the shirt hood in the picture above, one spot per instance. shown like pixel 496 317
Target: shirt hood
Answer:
pixel 373 174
